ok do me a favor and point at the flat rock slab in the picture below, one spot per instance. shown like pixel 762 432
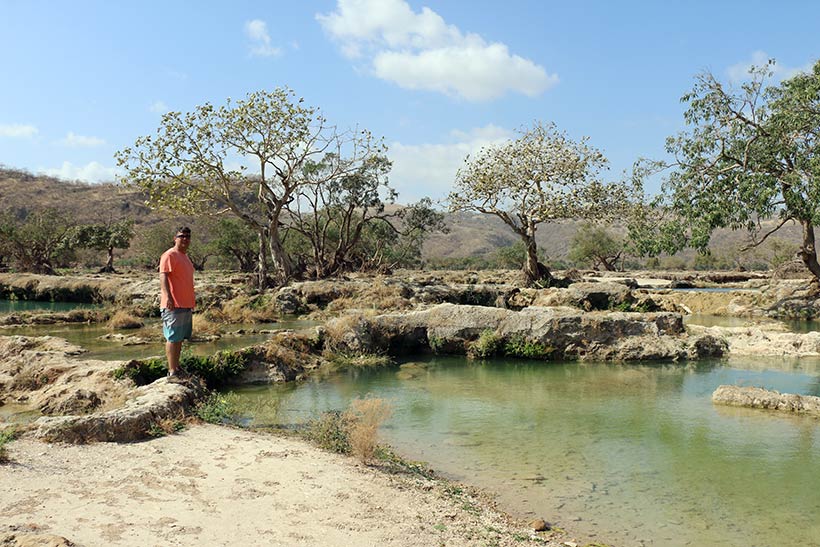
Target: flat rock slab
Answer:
pixel 755 397
pixel 160 400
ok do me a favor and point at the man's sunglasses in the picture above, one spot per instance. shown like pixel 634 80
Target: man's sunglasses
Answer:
pixel 182 236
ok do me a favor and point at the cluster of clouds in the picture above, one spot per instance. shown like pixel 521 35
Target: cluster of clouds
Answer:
pixel 419 50
pixel 430 169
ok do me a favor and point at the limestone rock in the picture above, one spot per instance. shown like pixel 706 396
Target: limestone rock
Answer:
pixel 560 332
pixel 157 401
pixel 755 397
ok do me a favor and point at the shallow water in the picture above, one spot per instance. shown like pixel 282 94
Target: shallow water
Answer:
pixel 629 455
pixel 14 306
pixel 89 337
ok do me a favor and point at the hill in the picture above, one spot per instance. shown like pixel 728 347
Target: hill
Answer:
pixel 471 235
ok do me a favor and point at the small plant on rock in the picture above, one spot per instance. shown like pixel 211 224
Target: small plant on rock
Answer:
pixel 487 345
pixel 519 346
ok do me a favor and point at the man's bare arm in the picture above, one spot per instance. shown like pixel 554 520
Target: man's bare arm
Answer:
pixel 166 290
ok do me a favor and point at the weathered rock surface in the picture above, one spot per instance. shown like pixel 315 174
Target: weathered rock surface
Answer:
pixel 160 400
pixel 567 332
pixel 765 339
pixel 33 539
pixel 587 296
pixel 755 397
pixel 44 374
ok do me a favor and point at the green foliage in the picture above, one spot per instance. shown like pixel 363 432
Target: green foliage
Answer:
pixel 520 346
pixel 218 408
pixel 360 360
pixel 233 241
pixel 215 369
pixel 218 368
pixel 36 241
pixel 183 166
pixel 103 237
pixel 748 154
pixel 487 345
pixel 436 344
pixel 5 438
pixel 330 432
pixel 596 246
pixel 543 176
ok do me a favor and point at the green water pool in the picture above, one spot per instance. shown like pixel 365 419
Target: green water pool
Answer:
pixel 631 455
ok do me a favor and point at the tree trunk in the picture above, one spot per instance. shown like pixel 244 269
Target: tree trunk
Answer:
pixel 262 262
pixel 808 252
pixel 536 272
pixel 281 261
pixel 109 264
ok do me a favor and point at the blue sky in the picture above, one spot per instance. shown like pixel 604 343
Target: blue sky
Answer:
pixel 436 79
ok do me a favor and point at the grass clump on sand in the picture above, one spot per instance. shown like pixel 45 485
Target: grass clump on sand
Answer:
pixel 218 408
pixel 354 431
pixel 5 438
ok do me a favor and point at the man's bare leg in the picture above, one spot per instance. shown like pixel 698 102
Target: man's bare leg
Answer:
pixel 172 351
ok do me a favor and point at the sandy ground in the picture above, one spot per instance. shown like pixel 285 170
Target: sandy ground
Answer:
pixel 211 485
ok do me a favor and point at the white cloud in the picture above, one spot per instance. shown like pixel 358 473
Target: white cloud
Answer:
pixel 91 172
pixel 257 32
pixel 421 51
pixel 430 169
pixel 158 107
pixel 80 141
pixel 739 72
pixel 17 131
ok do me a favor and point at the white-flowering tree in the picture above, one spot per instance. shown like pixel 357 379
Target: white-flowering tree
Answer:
pixel 196 163
pixel 542 176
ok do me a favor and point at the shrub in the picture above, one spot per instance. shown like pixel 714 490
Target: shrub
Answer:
pixel 330 432
pixel 364 416
pixel 354 431
pixel 519 346
pixel 486 345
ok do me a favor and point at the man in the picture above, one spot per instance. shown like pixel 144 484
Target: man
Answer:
pixel 176 279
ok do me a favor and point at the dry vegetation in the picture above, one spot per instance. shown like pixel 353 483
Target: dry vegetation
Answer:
pixel 364 417
pixel 124 319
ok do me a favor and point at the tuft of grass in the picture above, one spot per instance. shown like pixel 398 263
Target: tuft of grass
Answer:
pixel 166 426
pixel 361 360
pixel 487 345
pixel 5 438
pixel 218 408
pixel 124 319
pixel 364 417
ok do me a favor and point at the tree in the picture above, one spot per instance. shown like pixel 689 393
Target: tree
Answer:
pixel 103 237
pixel 595 245
pixel 187 165
pixel 749 154
pixel 37 241
pixel 232 239
pixel 543 176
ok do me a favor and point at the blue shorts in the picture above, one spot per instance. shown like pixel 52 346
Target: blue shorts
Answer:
pixel 177 324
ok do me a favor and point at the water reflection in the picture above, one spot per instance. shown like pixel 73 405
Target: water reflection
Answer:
pixel 638 453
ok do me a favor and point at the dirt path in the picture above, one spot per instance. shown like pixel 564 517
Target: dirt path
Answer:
pixel 211 485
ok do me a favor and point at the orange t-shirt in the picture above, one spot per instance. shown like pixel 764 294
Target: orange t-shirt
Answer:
pixel 180 271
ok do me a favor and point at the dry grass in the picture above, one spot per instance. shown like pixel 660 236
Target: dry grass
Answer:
pixel 202 325
pixel 377 296
pixel 125 319
pixel 364 416
pixel 338 330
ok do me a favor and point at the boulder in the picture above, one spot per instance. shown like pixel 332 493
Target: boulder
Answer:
pixel 588 296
